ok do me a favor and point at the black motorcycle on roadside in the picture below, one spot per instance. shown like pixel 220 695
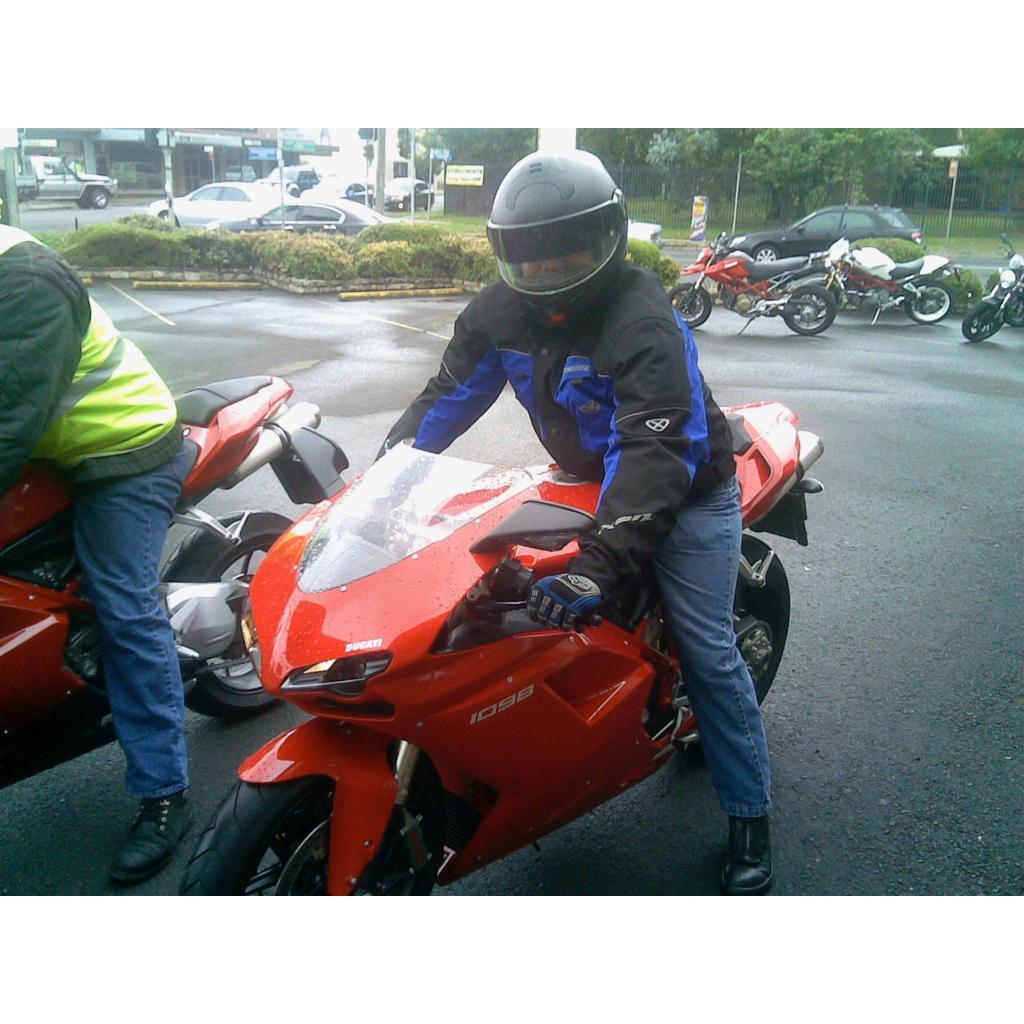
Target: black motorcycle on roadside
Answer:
pixel 1003 305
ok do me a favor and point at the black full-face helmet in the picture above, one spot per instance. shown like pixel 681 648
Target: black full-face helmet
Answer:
pixel 558 229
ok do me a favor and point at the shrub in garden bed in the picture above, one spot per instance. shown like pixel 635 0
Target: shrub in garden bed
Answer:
pixel 385 251
pixel 307 257
pixel 648 255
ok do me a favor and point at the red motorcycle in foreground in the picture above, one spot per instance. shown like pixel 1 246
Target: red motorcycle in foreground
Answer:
pixel 52 701
pixel 448 728
pixel 755 289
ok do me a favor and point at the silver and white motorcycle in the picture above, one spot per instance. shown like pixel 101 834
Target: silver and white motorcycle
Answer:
pixel 867 277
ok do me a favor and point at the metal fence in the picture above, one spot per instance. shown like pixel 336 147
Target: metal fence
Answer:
pixel 984 204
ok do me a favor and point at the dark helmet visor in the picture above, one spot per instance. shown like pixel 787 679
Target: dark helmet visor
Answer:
pixel 544 259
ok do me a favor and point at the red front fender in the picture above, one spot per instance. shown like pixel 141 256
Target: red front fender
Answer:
pixel 364 787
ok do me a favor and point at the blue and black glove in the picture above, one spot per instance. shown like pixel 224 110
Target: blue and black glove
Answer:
pixel 566 601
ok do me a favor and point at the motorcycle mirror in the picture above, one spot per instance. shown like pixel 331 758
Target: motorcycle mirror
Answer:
pixel 538 524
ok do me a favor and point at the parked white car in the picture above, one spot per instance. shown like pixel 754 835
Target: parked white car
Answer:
pixel 646 232
pixel 220 200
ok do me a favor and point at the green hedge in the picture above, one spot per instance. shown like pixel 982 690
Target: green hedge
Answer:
pixel 406 251
pixel 648 255
pixel 386 250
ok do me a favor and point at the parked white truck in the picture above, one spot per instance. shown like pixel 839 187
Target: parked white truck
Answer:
pixel 49 177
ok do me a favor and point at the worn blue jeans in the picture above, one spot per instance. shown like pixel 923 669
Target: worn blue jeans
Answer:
pixel 696 568
pixel 120 530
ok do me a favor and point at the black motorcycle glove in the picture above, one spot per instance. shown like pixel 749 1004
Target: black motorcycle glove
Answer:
pixel 566 601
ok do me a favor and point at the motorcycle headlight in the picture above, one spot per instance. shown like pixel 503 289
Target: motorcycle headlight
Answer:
pixel 344 676
pixel 1007 278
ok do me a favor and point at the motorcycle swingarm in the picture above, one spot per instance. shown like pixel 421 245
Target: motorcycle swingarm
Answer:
pixel 365 788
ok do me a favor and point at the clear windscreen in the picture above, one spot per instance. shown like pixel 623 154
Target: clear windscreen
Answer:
pixel 552 257
pixel 406 501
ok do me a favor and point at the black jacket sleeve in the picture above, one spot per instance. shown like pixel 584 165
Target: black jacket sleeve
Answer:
pixel 465 387
pixel 659 437
pixel 43 320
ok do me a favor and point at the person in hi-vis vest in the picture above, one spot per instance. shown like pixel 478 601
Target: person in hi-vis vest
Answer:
pixel 77 393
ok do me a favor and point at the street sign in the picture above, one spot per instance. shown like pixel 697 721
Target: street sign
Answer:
pixel 263 153
pixel 465 174
pixel 440 154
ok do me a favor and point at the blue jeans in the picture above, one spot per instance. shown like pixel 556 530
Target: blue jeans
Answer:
pixel 120 529
pixel 696 568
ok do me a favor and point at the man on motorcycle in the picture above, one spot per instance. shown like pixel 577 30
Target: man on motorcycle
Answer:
pixel 610 379
pixel 75 392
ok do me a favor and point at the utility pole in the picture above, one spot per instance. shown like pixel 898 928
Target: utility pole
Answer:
pixel 378 199
pixel 412 174
pixel 9 197
pixel 736 201
pixel 165 145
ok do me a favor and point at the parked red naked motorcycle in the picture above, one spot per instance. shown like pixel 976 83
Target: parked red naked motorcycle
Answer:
pixel 448 728
pixel 52 701
pixel 755 289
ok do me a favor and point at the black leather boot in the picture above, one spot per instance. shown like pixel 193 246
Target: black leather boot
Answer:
pixel 158 828
pixel 748 859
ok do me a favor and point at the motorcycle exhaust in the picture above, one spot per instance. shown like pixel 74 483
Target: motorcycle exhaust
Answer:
pixel 271 442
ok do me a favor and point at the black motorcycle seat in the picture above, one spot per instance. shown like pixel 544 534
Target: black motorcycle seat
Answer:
pixel 762 271
pixel 200 405
pixel 907 269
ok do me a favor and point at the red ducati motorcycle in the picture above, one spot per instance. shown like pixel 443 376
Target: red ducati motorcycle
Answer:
pixel 755 289
pixel 448 728
pixel 52 701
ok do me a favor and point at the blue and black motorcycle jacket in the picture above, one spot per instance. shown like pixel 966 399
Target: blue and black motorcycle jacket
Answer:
pixel 617 398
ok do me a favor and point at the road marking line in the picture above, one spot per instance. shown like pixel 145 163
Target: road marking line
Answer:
pixel 380 320
pixel 151 312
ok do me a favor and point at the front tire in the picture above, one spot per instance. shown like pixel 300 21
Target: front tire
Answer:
pixel 1013 314
pixel 981 322
pixel 274 840
pixel 693 304
pixel 227 687
pixel 255 835
pixel 810 310
pixel 765 254
pixel 932 303
pixel 98 198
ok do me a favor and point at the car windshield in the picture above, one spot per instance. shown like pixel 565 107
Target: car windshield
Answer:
pixel 895 218
pixel 406 501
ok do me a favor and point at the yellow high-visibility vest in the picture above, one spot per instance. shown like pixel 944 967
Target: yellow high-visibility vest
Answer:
pixel 116 401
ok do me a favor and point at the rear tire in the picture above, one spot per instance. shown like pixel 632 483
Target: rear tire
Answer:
pixel 981 323
pixel 810 310
pixel 693 304
pixel 934 302
pixel 228 687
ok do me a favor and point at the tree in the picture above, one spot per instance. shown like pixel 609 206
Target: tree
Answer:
pixel 616 145
pixel 483 145
pixel 995 149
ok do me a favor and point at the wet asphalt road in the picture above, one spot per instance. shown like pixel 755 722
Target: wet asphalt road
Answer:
pixel 896 722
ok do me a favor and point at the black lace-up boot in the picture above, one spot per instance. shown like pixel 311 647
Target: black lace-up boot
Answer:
pixel 159 826
pixel 748 863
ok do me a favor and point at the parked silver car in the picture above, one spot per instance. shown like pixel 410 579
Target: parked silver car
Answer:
pixel 219 200
pixel 339 217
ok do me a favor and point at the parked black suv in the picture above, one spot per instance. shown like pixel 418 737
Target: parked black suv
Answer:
pixel 818 230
